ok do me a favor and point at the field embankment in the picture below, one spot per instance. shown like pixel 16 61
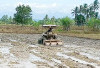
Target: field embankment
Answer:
pixel 75 31
pixel 19 29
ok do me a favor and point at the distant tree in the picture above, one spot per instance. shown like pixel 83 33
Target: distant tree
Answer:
pixel 85 9
pixel 93 9
pixel 53 20
pixel 94 23
pixel 4 18
pixel 80 20
pixel 58 21
pixel 41 22
pixel 75 12
pixel 91 12
pixel 23 14
pixel 86 12
pixel 66 23
pixel 96 5
pixel 36 24
pixel 10 20
pixel 46 19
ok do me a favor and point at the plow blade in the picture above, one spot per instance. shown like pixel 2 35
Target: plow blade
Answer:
pixel 52 42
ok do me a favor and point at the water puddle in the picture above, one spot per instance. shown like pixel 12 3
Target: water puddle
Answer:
pixel 33 46
pixel 35 58
pixel 73 46
pixel 28 64
pixel 57 61
pixel 62 55
pixel 35 51
pixel 4 50
pixel 13 40
pixel 90 56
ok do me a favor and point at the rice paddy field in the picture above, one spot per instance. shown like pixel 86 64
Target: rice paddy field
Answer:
pixel 22 51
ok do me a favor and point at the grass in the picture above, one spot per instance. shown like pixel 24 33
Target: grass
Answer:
pixel 75 31
pixel 82 31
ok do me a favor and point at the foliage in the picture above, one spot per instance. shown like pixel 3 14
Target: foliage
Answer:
pixel 46 19
pixel 23 14
pixel 41 22
pixel 80 20
pixel 58 22
pixel 6 19
pixel 66 22
pixel 88 11
pixel 53 20
pixel 94 23
pixel 10 20
pixel 36 24
pixel 96 5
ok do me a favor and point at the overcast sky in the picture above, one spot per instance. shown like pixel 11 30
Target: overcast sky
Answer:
pixel 57 8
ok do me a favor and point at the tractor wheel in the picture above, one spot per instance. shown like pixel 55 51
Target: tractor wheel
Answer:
pixel 40 41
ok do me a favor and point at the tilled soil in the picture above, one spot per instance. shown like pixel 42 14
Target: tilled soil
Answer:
pixel 22 51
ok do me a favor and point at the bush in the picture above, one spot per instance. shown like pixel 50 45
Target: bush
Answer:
pixel 94 23
pixel 66 23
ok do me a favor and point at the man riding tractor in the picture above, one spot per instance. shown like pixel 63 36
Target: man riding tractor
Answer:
pixel 49 38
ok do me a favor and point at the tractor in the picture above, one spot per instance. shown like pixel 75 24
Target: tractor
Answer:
pixel 48 37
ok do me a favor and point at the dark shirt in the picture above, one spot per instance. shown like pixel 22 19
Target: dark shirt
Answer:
pixel 50 30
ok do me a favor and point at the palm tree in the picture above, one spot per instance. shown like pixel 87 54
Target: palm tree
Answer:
pixel 46 19
pixel 91 12
pixel 53 20
pixel 96 14
pixel 96 5
pixel 85 8
pixel 75 12
pixel 86 11
pixel 81 9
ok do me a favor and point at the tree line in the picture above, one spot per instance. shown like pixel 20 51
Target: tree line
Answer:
pixel 84 15
pixel 5 19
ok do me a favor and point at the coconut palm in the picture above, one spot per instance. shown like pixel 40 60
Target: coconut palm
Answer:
pixel 96 14
pixel 46 19
pixel 85 10
pixel 75 12
pixel 96 5
pixel 81 9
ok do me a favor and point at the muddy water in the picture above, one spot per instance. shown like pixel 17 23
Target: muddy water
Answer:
pixel 22 51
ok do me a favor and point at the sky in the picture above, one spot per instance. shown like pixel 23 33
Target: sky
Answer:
pixel 57 8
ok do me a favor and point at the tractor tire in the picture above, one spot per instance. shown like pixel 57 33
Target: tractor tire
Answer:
pixel 40 41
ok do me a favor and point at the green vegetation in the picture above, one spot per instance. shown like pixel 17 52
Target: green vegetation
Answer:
pixel 87 15
pixel 52 21
pixel 80 20
pixel 6 20
pixel 23 15
pixel 66 23
pixel 86 20
pixel 88 11
pixel 94 23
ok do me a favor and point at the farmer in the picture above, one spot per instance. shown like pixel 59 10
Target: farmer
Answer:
pixel 49 30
